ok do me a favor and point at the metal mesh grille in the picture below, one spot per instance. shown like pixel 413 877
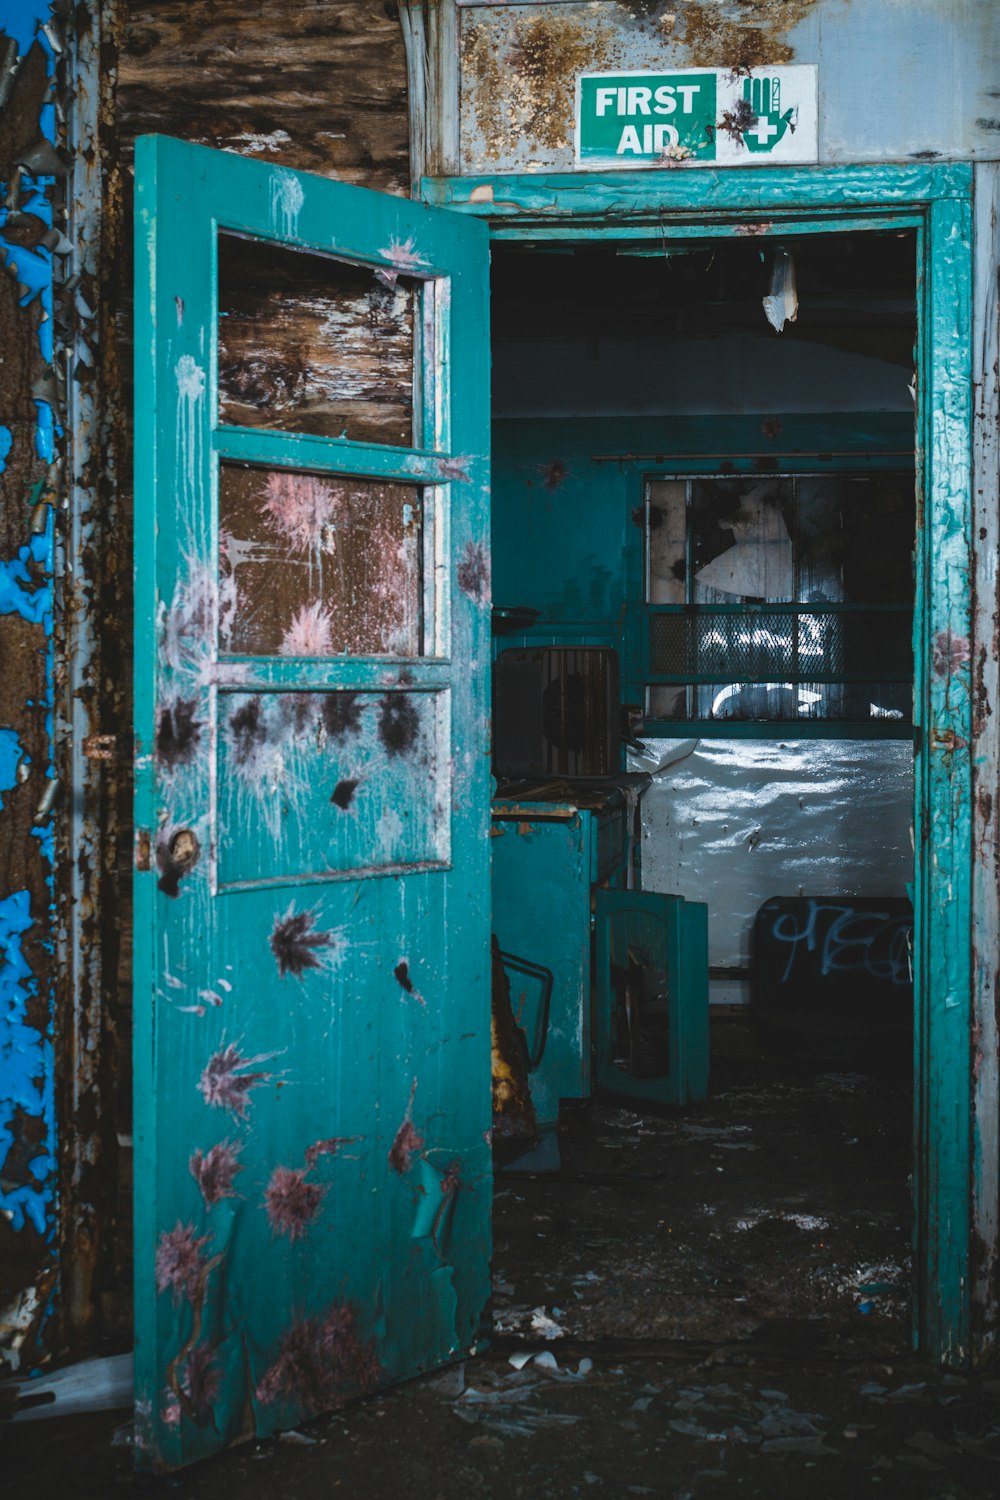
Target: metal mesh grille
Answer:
pixel 772 645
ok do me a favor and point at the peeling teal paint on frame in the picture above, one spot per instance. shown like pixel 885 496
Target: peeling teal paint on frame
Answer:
pixel 937 200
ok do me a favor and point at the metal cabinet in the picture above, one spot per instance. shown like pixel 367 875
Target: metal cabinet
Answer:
pixel 548 856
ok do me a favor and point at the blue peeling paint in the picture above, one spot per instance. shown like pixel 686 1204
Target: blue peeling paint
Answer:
pixel 25 1069
pixel 11 757
pixel 26 595
pixel 26 590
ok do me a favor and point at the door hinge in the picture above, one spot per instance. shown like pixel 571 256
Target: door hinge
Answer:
pixel 143 849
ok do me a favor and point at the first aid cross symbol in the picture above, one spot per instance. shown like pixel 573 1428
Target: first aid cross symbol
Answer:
pixel 763 130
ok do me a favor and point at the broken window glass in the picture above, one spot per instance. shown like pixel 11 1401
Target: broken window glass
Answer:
pixel 779 599
pixel 311 344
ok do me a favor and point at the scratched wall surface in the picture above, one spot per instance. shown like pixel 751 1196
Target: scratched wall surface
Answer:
pixel 319 85
pixel 29 168
pixel 520 63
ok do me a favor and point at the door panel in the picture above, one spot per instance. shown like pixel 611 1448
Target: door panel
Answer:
pixel 651 986
pixel 312 966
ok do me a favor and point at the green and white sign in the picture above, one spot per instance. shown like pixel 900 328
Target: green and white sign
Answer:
pixel 697 115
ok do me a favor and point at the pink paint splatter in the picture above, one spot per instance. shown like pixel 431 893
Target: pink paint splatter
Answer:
pixel 320 1362
pixel 949 653
pixel 225 1085
pixel 179 1261
pixel 292 1202
pixel 300 507
pixel 408 1141
pixel 328 1147
pixel 310 633
pixel 215 1171
pixel 170 1410
pixel 402 257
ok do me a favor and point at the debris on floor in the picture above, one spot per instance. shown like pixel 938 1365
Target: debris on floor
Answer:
pixel 672 1317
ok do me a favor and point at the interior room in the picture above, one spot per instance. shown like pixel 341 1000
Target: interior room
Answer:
pixel 703 532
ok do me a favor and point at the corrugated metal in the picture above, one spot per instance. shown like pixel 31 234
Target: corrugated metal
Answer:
pixel 735 822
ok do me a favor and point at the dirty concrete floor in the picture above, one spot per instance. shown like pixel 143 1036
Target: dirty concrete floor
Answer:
pixel 720 1303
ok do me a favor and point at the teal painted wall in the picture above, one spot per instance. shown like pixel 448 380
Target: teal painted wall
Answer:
pixel 564 539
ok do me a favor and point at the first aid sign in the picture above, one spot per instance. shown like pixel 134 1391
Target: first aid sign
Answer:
pixel 697 115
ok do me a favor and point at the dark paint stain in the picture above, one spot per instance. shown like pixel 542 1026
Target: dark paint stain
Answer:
pixel 320 1362
pixel 398 723
pixel 292 1203
pixel 262 379
pixel 765 464
pixel 201 1382
pixel 343 794
pixel 402 973
pixel 554 473
pixel 175 857
pixel 987 124
pixel 341 715
pixel 215 1170
pixel 297 711
pixel 248 730
pixel 736 121
pixel 474 572
pixel 771 428
pixel 225 1082
pixel 294 942
pixel 178 733
pixel 407 1144
pixel 984 801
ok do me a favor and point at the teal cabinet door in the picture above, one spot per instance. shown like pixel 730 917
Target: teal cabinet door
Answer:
pixel 312 970
pixel 651 996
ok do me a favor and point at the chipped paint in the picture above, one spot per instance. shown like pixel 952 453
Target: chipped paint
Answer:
pixel 31 173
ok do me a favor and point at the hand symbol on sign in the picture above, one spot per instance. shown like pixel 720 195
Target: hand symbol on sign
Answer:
pixel 763 95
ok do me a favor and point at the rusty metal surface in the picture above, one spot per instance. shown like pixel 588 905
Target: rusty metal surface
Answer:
pixel 519 65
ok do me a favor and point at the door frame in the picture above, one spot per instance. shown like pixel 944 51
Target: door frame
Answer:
pixel 955 1214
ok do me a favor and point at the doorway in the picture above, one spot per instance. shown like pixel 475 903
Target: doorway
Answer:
pixel 704 466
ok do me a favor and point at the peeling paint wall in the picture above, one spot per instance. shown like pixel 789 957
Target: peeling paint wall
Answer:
pixel 30 170
pixel 519 65
pixel 332 99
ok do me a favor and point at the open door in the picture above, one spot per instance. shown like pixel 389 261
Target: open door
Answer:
pixel 312 970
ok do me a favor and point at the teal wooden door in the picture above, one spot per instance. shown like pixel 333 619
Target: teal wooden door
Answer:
pixel 312 1039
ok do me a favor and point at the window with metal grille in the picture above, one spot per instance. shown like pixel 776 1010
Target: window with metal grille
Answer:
pixel 785 598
